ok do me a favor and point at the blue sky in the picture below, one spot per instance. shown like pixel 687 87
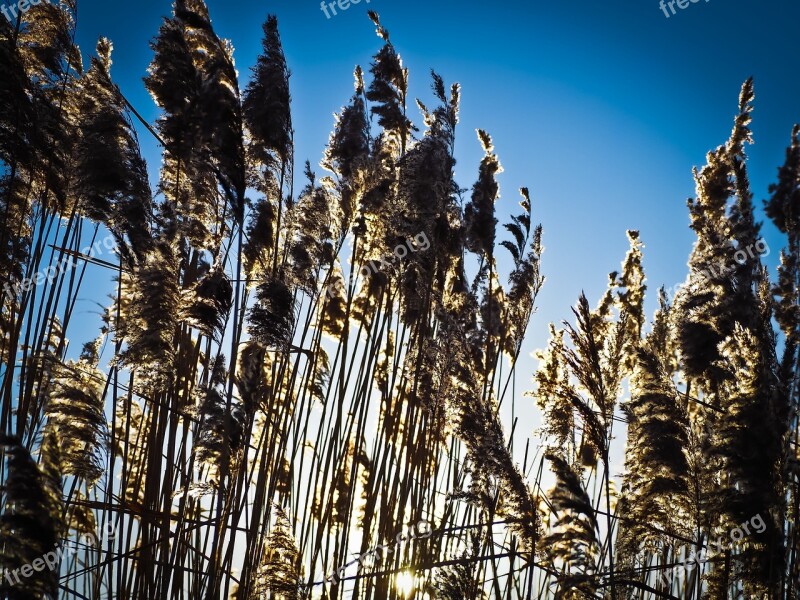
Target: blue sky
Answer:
pixel 600 108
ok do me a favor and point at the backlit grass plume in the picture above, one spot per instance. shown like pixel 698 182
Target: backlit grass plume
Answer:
pixel 75 411
pixel 28 525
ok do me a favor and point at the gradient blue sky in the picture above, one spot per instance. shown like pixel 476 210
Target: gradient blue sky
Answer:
pixel 600 108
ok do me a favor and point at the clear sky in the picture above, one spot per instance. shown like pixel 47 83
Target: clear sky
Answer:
pixel 601 108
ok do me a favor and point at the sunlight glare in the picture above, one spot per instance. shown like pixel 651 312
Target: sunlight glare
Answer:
pixel 404 582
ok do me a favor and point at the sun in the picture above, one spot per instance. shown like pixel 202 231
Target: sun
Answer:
pixel 404 582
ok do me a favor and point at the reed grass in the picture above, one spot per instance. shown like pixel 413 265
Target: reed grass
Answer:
pixel 275 391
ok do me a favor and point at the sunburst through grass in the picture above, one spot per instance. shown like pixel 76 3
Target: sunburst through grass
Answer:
pixel 405 583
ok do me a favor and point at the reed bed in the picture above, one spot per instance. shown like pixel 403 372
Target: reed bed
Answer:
pixel 297 393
